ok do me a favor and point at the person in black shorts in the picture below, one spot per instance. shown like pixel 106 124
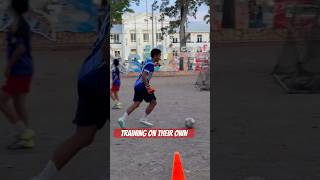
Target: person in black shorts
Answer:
pixel 93 101
pixel 143 90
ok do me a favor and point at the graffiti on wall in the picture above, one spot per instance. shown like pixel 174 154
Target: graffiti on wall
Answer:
pixel 300 12
pixel 134 64
pixel 46 17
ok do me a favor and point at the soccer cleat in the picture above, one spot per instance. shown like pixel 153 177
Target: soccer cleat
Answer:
pixel 121 122
pixel 144 122
pixel 21 144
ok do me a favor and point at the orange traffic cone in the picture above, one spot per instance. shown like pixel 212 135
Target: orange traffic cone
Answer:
pixel 177 169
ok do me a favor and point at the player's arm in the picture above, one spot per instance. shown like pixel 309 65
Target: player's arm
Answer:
pixel 145 78
pixel 146 82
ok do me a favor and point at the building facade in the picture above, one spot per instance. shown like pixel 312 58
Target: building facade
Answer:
pixel 137 34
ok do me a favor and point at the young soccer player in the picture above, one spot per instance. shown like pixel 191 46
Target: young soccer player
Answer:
pixel 143 91
pixel 18 74
pixel 115 84
pixel 92 107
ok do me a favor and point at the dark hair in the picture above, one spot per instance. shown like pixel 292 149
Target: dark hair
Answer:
pixel 116 62
pixel 155 52
pixel 20 6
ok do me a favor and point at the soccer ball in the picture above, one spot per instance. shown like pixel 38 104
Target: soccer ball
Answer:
pixel 189 122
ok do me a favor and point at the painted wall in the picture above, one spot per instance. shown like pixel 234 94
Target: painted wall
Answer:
pixel 49 16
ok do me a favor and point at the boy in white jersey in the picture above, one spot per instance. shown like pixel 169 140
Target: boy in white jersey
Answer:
pixel 143 90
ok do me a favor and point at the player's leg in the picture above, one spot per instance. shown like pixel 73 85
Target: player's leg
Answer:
pixel 151 98
pixel 7 108
pixel 24 139
pixel 82 138
pixel 112 96
pixel 91 116
pixel 134 106
pixel 151 106
pixel 116 96
pixel 137 99
pixel 19 103
pixel 118 103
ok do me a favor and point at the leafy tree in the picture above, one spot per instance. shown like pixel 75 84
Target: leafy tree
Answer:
pixel 179 10
pixel 207 16
pixel 118 8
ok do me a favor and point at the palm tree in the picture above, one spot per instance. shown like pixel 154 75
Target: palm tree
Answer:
pixel 207 17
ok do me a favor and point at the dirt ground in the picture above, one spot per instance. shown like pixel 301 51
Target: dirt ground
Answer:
pixel 52 104
pixel 151 159
pixel 261 132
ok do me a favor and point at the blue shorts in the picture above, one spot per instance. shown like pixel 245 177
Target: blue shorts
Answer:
pixel 93 99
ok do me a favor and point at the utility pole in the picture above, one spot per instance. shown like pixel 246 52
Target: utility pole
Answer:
pixel 152 25
pixel 135 31
pixel 147 15
pixel 156 29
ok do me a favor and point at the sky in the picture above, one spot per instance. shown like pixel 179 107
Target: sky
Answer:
pixel 202 11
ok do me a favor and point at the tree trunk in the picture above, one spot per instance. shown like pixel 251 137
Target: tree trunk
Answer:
pixel 184 13
pixel 228 14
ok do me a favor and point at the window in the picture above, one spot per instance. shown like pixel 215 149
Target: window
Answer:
pixel 115 38
pixel 117 54
pixel 174 40
pixel 175 53
pixel 199 38
pixel 159 37
pixel 133 51
pixel 188 37
pixel 133 37
pixel 146 37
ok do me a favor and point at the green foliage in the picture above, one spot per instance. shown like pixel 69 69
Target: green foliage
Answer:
pixel 119 7
pixel 179 11
pixel 207 16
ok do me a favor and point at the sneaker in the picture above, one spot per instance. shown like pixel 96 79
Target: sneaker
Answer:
pixel 28 134
pixel 144 122
pixel 21 144
pixel 119 103
pixel 121 122
pixel 117 106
